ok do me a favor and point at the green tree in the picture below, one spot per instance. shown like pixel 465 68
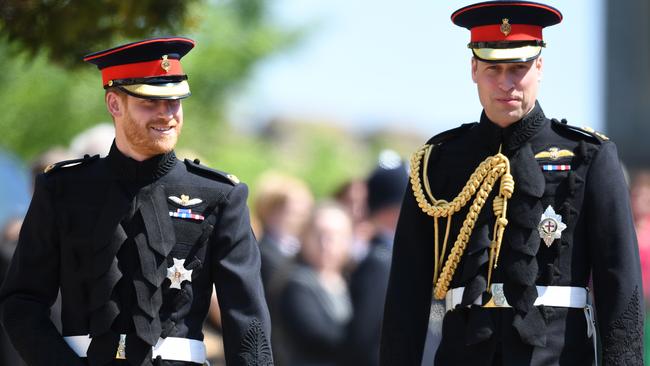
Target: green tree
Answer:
pixel 66 30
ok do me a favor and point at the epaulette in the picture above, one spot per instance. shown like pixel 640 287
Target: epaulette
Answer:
pixel 594 135
pixel 450 134
pixel 70 163
pixel 195 166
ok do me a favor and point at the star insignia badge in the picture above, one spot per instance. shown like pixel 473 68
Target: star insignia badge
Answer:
pixel 177 273
pixel 550 226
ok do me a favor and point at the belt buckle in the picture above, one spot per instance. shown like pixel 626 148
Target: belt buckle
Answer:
pixel 498 299
pixel 120 354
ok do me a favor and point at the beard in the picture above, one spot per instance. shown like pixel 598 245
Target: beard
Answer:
pixel 147 142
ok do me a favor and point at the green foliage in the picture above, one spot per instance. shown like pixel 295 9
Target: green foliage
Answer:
pixel 322 155
pixel 66 30
pixel 44 105
pixel 229 45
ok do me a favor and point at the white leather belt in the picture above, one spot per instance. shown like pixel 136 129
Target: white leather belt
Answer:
pixel 560 296
pixel 170 348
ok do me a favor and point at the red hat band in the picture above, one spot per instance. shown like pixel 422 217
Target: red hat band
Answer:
pixel 160 67
pixel 513 32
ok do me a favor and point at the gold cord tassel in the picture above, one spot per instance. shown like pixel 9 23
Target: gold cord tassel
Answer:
pixel 479 186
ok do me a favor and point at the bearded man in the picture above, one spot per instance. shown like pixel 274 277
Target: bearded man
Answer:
pixel 135 241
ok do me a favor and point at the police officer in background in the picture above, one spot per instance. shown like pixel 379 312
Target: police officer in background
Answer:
pixel 136 240
pixel 507 220
pixel 369 280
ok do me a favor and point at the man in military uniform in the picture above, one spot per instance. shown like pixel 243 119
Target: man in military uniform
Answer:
pixel 136 240
pixel 508 220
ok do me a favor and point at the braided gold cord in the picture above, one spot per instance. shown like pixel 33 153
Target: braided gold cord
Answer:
pixel 480 183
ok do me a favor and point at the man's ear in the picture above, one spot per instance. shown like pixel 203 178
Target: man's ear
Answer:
pixel 115 104
pixel 474 66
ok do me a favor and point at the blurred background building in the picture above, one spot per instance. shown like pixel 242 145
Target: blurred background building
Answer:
pixel 627 87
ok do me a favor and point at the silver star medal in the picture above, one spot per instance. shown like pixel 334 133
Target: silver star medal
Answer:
pixel 550 226
pixel 177 273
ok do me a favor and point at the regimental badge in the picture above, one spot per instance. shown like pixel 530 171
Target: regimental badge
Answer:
pixel 186 213
pixel 185 200
pixel 506 28
pixel 177 273
pixel 165 64
pixel 550 226
pixel 554 153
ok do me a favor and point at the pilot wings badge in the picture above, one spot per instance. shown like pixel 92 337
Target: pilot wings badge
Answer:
pixel 185 200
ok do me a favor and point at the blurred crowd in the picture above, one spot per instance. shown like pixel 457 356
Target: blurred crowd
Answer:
pixel 325 263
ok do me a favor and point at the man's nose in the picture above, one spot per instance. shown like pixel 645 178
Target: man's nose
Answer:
pixel 505 82
pixel 167 108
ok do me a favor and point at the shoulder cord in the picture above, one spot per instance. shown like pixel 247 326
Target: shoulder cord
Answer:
pixel 481 183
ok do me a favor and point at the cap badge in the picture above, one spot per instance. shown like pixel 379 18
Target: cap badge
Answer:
pixel 506 28
pixel 177 273
pixel 165 64
pixel 550 226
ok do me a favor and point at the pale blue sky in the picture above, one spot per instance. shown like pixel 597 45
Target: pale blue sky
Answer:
pixel 373 63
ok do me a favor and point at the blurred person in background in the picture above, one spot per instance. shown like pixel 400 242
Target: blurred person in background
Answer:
pixel 9 240
pixel 640 199
pixel 282 205
pixel 386 185
pixel 353 195
pixel 96 140
pixel 314 307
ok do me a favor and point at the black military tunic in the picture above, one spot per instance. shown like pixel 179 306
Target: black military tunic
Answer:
pixel 599 243
pixel 105 232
